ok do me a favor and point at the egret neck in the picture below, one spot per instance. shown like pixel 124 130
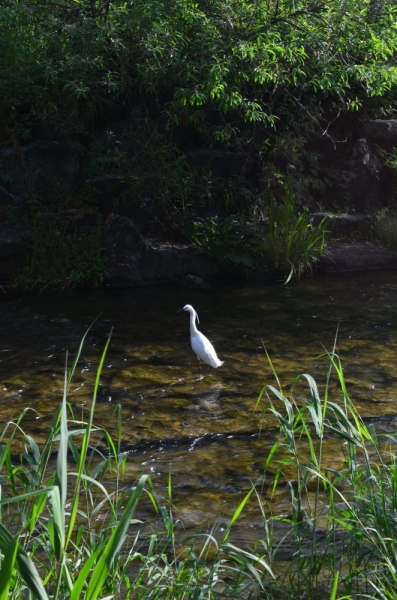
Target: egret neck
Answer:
pixel 193 328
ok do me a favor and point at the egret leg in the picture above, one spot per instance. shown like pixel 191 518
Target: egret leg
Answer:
pixel 210 370
pixel 199 366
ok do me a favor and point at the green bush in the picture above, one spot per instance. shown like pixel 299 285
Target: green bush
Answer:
pixel 287 242
pixel 254 78
pixel 213 65
pixel 342 525
pixel 249 76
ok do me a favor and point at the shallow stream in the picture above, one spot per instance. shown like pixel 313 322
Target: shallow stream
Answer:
pixel 205 431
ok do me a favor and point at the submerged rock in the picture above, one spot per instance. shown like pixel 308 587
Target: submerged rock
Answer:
pixel 192 281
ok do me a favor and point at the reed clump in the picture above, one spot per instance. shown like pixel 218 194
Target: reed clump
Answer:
pixel 340 536
pixel 71 529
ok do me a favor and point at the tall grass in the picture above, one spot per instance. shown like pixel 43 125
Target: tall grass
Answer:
pixel 292 244
pixel 70 527
pixel 342 526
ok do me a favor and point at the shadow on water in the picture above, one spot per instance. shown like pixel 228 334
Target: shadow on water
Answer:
pixel 204 430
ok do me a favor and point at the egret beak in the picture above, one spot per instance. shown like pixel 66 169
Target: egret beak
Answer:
pixel 178 311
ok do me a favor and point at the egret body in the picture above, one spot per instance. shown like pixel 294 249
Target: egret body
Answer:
pixel 201 345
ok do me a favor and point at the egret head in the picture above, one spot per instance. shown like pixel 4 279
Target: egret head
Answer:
pixel 189 308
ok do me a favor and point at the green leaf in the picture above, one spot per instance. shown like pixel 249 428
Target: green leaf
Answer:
pixel 24 565
pixel 7 568
pixel 114 545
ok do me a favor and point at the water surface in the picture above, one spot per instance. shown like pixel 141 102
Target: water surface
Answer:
pixel 205 431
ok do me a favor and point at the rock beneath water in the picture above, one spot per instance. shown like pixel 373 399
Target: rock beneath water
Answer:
pixel 358 179
pixel 42 166
pixel 356 257
pixel 133 258
pixel 13 240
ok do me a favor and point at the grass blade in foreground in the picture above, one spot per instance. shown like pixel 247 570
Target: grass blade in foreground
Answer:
pixel 84 448
pixel 113 547
pixel 24 565
pixel 7 568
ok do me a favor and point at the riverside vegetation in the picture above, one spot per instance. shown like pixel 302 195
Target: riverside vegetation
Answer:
pixel 139 87
pixel 70 522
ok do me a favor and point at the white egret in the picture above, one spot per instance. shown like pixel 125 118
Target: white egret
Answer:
pixel 201 345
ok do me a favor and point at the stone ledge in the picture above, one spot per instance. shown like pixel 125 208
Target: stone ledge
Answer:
pixel 349 257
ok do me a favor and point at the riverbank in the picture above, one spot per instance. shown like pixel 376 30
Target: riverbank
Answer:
pixel 125 257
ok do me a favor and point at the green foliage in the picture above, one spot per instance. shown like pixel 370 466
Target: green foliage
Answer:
pixel 231 71
pixel 287 243
pixel 291 242
pixel 225 240
pixel 59 255
pixel 154 172
pixel 257 78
